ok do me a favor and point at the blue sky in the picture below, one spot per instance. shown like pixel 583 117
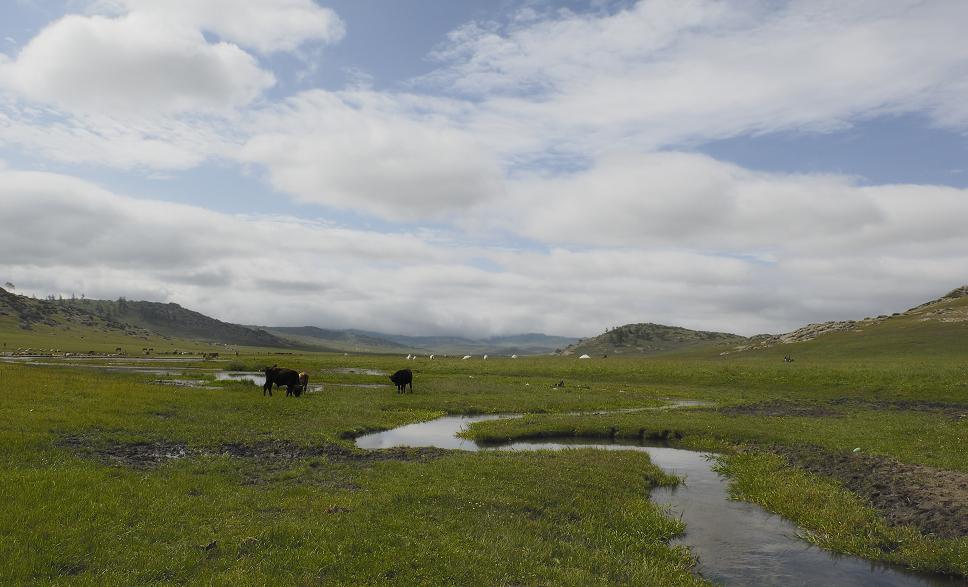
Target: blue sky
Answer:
pixel 487 168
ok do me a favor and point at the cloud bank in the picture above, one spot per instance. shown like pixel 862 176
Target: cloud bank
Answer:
pixel 542 177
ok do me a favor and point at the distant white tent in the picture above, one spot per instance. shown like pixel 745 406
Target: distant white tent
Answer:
pixel 584 357
pixel 514 356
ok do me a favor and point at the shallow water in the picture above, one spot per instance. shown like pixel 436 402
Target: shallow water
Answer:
pixel 356 371
pixel 255 377
pixel 737 543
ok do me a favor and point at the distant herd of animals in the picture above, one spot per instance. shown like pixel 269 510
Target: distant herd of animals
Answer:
pixel 297 382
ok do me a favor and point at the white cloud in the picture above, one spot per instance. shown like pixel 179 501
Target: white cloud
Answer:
pixel 695 202
pixel 163 142
pixel 64 235
pixel 133 64
pixel 265 25
pixel 390 155
pixel 664 72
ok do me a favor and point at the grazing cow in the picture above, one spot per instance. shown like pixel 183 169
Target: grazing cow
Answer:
pixel 303 382
pixel 402 379
pixel 787 359
pixel 291 379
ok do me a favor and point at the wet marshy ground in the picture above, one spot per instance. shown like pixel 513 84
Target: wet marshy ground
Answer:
pixel 736 543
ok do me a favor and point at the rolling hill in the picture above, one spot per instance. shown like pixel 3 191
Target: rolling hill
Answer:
pixel 378 342
pixel 938 328
pixel 26 321
pixel 651 339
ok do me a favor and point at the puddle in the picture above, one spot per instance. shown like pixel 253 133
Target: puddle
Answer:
pixel 737 543
pixel 194 383
pixel 255 377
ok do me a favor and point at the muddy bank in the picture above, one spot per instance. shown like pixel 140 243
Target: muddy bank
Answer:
pixel 136 455
pixel 839 407
pixel 781 408
pixel 952 410
pixel 933 500
pixel 149 455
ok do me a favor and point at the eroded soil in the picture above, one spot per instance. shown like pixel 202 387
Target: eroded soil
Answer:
pixel 932 500
pixel 952 410
pixel 781 408
pixel 839 407
pixel 272 454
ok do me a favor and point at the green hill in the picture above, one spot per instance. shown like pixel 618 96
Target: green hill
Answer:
pixel 935 329
pixel 81 325
pixel 652 339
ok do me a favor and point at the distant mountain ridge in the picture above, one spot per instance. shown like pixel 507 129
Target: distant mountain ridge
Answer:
pixel 370 341
pixel 940 325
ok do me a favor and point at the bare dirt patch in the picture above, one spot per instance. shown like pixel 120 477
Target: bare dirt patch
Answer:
pixel 781 408
pixel 136 455
pixel 932 500
pixel 271 454
pixel 280 450
pixel 952 410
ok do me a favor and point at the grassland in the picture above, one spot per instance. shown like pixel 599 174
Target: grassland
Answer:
pixel 110 479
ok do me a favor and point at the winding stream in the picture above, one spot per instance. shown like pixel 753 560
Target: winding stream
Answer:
pixel 737 543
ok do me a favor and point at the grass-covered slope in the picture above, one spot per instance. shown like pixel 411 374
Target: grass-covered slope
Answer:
pixel 80 325
pixel 936 329
pixel 652 339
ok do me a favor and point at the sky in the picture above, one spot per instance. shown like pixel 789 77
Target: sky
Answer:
pixel 491 167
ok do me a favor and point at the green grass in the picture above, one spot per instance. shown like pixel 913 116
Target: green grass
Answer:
pixel 574 517
pixel 836 519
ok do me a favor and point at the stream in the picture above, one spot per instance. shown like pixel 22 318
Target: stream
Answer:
pixel 736 542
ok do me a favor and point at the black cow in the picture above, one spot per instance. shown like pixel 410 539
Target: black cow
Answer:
pixel 402 379
pixel 295 382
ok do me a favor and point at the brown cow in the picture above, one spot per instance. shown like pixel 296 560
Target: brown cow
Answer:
pixel 295 382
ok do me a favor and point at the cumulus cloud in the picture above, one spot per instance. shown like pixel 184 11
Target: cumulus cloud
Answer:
pixel 694 201
pixel 291 272
pixel 138 84
pixel 264 25
pixel 132 64
pixel 390 155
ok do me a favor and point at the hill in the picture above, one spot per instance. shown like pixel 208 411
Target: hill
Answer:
pixel 521 344
pixel 938 328
pixel 340 340
pixel 651 339
pixel 52 322
pixel 378 342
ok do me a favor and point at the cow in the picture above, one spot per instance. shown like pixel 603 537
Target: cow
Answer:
pixel 401 379
pixel 294 381
pixel 303 382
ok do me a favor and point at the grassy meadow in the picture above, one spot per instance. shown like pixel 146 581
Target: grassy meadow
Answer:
pixel 272 490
